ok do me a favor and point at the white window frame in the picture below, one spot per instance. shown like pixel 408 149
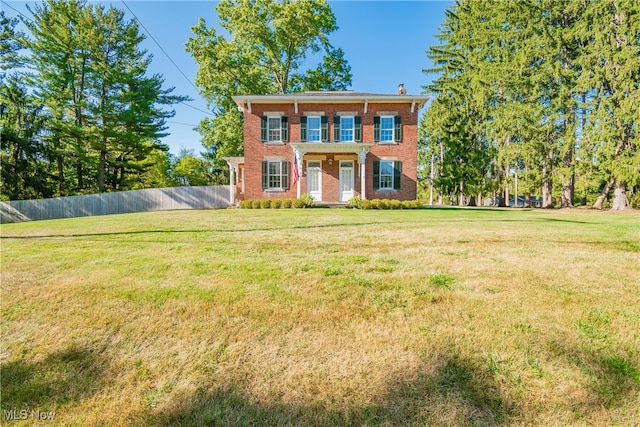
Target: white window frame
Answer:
pixel 352 128
pixel 270 130
pixel 274 175
pixel 388 176
pixel 311 130
pixel 391 130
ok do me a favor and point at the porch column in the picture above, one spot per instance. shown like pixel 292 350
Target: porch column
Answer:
pixel 297 157
pixel 232 187
pixel 362 156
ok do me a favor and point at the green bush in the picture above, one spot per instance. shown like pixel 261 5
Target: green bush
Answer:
pixel 354 202
pixel 255 204
pixel 285 203
pixel 365 204
pixel 297 203
pixel 275 203
pixel 245 204
pixel 306 200
pixel 375 204
pixel 265 204
pixel 395 204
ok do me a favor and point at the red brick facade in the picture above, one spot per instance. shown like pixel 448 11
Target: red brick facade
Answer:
pixel 329 153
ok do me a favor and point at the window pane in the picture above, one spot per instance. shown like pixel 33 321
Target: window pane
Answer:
pixel 313 129
pixel 386 129
pixel 274 129
pixel 346 129
pixel 275 175
pixel 386 175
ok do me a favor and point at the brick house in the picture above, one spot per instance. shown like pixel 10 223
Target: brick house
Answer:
pixel 332 145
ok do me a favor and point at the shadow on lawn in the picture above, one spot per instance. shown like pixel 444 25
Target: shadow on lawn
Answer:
pixel 459 392
pixel 62 377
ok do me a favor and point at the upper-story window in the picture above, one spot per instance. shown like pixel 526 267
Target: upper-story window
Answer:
pixel 347 129
pixel 314 129
pixel 274 129
pixel 387 129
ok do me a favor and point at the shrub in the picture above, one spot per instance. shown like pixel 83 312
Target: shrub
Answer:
pixel 255 204
pixel 365 204
pixel 297 203
pixel 354 202
pixel 395 204
pixel 285 203
pixel 385 204
pixel 265 204
pixel 245 204
pixel 306 200
pixel 276 203
pixel 375 204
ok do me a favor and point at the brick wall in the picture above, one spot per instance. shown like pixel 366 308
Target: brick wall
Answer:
pixel 406 151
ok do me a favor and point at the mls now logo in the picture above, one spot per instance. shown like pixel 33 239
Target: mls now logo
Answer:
pixel 25 414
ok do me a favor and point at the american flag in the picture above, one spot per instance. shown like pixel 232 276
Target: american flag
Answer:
pixel 296 171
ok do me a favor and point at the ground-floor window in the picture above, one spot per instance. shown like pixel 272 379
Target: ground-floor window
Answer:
pixel 275 175
pixel 387 174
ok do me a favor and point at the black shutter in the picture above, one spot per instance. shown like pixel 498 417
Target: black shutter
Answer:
pixel 324 129
pixel 376 174
pixel 263 129
pixel 285 175
pixel 376 129
pixel 357 129
pixel 397 175
pixel 265 175
pixel 285 128
pixel 397 131
pixel 336 128
pixel 303 128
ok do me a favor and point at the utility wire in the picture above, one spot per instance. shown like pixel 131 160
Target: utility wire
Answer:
pixel 167 55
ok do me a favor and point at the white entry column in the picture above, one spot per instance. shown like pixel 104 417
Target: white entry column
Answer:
pixel 362 159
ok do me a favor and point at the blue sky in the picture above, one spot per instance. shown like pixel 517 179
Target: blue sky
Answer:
pixel 384 42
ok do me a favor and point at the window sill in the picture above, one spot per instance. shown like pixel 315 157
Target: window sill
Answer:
pixel 387 143
pixel 275 190
pixel 386 190
pixel 275 143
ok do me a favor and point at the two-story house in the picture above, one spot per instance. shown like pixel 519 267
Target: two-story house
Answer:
pixel 332 145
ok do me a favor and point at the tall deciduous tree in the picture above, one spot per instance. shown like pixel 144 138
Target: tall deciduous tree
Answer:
pixel 265 53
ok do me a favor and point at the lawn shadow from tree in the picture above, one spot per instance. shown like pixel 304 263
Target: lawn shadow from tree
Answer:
pixel 459 390
pixel 61 378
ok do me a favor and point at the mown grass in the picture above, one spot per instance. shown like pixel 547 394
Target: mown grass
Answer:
pixel 324 317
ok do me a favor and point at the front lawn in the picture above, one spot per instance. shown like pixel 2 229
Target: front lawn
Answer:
pixel 324 317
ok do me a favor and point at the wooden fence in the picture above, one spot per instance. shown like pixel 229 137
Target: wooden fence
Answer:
pixel 115 203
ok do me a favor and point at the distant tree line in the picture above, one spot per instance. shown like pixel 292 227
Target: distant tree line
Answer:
pixel 539 94
pixel 79 112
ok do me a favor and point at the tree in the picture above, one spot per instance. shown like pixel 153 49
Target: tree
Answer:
pixel 611 64
pixel 106 113
pixel 265 53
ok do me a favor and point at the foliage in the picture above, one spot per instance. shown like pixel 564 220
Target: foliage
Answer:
pixel 303 202
pixel 534 92
pixel 267 46
pixel 87 116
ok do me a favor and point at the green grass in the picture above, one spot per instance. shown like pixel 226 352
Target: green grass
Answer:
pixel 324 317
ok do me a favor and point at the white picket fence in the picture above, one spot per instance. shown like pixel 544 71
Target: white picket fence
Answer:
pixel 210 197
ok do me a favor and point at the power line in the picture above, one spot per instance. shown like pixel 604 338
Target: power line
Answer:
pixel 179 123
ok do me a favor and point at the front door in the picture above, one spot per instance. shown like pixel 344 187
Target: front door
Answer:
pixel 314 180
pixel 346 180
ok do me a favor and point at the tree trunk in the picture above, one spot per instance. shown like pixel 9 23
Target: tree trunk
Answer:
pixel 603 195
pixel 527 201
pixel 102 171
pixel 547 185
pixel 568 185
pixel 472 201
pixel 461 194
pixel 620 201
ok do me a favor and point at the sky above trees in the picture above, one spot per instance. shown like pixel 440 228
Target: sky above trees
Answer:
pixel 384 43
